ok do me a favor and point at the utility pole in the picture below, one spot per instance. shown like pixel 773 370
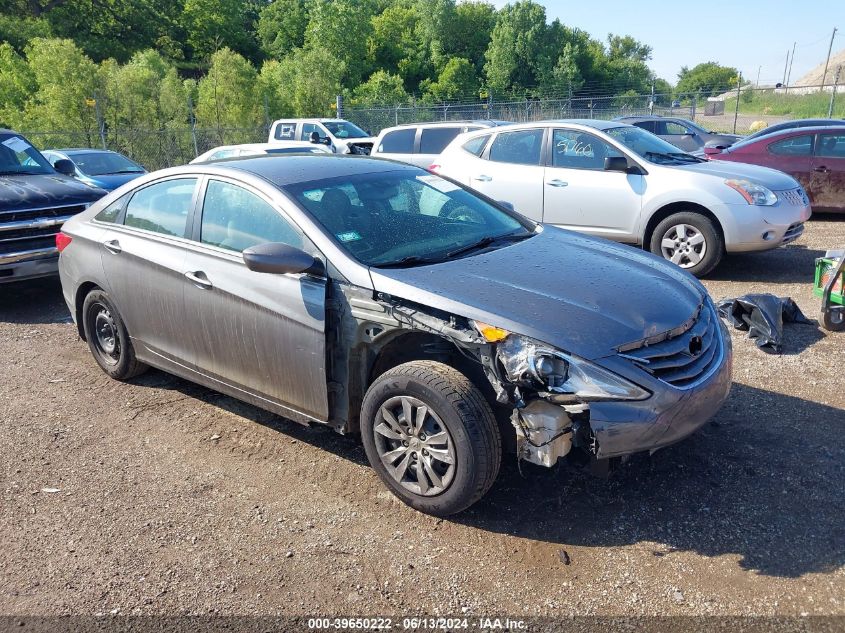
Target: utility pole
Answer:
pixel 651 103
pixel 759 68
pixel 789 73
pixel 827 61
pixel 833 94
pixel 786 63
pixel 736 111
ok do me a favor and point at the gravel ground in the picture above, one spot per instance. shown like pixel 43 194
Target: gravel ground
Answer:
pixel 162 497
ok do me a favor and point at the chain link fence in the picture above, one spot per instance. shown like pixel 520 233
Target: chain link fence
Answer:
pixel 154 149
pixel 719 114
pixel 177 145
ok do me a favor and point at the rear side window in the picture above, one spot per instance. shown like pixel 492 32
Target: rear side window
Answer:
pixel 795 146
pixel 398 142
pixel 675 129
pixel 831 145
pixel 434 140
pixel 648 126
pixel 522 148
pixel 235 219
pixel 476 145
pixel 285 131
pixel 162 207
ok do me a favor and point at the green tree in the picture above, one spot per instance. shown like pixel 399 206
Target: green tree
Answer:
pixel 457 80
pixel 66 79
pixel 474 22
pixel 709 78
pixel 214 24
pixel 17 86
pixel 393 45
pixel 304 83
pixel 380 88
pixel 281 27
pixel 133 91
pixel 520 56
pixel 342 28
pixel 227 95
pixel 18 30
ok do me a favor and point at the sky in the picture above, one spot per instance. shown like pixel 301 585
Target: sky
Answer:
pixel 749 35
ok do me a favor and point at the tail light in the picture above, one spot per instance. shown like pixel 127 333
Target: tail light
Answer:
pixel 62 241
pixel 433 168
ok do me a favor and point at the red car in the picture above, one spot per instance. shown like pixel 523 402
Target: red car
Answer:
pixel 814 156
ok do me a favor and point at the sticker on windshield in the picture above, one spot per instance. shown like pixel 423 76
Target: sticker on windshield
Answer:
pixel 17 144
pixel 438 183
pixel 349 236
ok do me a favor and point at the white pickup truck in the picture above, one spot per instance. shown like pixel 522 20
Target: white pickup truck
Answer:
pixel 341 136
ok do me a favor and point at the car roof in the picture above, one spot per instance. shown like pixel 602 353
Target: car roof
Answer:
pixel 295 168
pixel 482 122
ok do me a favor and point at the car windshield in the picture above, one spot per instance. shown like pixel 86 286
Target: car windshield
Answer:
pixel 344 129
pixel 650 147
pixel 17 156
pixel 407 218
pixel 104 164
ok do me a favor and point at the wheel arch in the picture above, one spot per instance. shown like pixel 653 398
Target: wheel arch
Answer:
pixel 677 207
pixel 82 291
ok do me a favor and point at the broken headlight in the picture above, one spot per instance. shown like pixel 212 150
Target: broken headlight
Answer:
pixel 533 364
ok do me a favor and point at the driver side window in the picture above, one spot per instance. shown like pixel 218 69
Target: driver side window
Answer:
pixel 573 149
pixel 235 219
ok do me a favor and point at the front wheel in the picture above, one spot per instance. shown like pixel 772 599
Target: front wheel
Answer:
pixel 690 240
pixel 431 436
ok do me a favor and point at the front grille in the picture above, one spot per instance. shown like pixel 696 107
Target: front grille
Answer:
pixel 15 239
pixel 793 232
pixel 33 214
pixel 683 359
pixel 795 197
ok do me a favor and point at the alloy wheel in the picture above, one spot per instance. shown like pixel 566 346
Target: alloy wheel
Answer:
pixel 414 446
pixel 684 245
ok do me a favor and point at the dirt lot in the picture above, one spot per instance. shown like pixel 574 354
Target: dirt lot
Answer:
pixel 170 499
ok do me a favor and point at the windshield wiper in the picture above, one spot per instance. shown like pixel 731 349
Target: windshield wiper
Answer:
pixel 409 261
pixel 486 241
pixel 121 171
pixel 22 173
pixel 673 156
pixel 688 157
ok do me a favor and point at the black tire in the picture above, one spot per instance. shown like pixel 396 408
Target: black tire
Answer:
pixel 713 246
pixel 455 402
pixel 118 358
pixel 833 320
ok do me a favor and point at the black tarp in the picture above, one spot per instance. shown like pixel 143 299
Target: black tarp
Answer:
pixel 763 316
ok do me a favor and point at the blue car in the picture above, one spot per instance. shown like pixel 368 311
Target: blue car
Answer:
pixel 98 167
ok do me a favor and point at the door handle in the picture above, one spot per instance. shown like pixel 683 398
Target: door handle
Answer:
pixel 557 183
pixel 199 282
pixel 822 169
pixel 483 178
pixel 112 246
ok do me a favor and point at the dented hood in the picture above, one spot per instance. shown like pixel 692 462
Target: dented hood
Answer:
pixel 580 294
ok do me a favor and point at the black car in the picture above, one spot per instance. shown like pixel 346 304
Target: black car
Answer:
pixel 35 200
pixel 790 125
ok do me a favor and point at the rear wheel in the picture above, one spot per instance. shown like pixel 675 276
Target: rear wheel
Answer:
pixel 107 337
pixel 690 240
pixel 430 435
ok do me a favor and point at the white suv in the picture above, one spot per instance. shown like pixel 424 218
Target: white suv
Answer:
pixel 620 182
pixel 341 136
pixel 420 143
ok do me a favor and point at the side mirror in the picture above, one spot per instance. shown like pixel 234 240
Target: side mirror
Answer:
pixel 506 204
pixel 277 258
pixel 712 150
pixel 65 166
pixel 314 137
pixel 616 163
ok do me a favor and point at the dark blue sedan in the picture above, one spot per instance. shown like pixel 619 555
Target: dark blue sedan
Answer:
pixel 98 167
